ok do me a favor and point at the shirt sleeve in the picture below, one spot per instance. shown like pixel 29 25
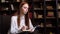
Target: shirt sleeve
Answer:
pixel 31 26
pixel 12 25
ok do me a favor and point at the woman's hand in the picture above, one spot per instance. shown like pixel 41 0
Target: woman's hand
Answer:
pixel 24 28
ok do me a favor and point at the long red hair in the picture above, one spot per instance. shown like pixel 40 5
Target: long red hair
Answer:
pixel 26 16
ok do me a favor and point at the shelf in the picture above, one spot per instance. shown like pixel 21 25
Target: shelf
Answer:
pixel 50 10
pixel 41 12
pixel 50 27
pixel 38 10
pixel 39 20
pixel 50 18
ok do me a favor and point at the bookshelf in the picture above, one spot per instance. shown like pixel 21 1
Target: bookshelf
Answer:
pixel 45 13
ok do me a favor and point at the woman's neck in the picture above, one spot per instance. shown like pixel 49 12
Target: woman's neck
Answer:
pixel 21 14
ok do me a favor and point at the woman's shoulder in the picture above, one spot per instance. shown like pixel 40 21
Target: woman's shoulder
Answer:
pixel 14 17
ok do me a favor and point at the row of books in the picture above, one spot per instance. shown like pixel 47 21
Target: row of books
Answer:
pixel 37 16
pixel 7 7
pixel 47 7
pixel 47 25
pixel 50 14
pixel 35 8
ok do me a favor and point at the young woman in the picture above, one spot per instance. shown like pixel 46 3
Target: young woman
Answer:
pixel 21 22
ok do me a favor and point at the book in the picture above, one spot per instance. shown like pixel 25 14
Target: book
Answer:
pixel 48 25
pixel 12 7
pixel 40 16
pixel 50 14
pixel 41 25
pixel 49 7
pixel 59 14
pixel 18 0
pixel 58 6
pixel 36 7
pixel 35 15
pixel 41 6
pixel 6 8
pixel 2 1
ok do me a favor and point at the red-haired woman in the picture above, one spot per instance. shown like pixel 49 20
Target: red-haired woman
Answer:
pixel 21 22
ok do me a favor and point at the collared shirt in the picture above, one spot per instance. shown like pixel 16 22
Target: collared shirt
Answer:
pixel 14 25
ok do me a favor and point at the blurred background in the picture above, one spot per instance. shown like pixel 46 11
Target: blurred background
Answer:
pixel 45 13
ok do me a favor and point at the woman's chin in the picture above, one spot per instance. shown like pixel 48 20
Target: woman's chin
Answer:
pixel 25 13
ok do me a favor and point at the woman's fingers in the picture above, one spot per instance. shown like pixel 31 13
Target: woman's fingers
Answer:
pixel 24 28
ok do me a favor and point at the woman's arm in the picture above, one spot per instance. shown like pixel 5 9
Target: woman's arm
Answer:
pixel 31 26
pixel 12 30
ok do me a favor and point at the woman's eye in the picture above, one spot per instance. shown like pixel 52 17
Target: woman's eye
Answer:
pixel 25 7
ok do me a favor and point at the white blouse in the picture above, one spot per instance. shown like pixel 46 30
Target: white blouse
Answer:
pixel 14 27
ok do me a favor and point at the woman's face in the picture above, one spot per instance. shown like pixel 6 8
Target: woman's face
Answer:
pixel 24 8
